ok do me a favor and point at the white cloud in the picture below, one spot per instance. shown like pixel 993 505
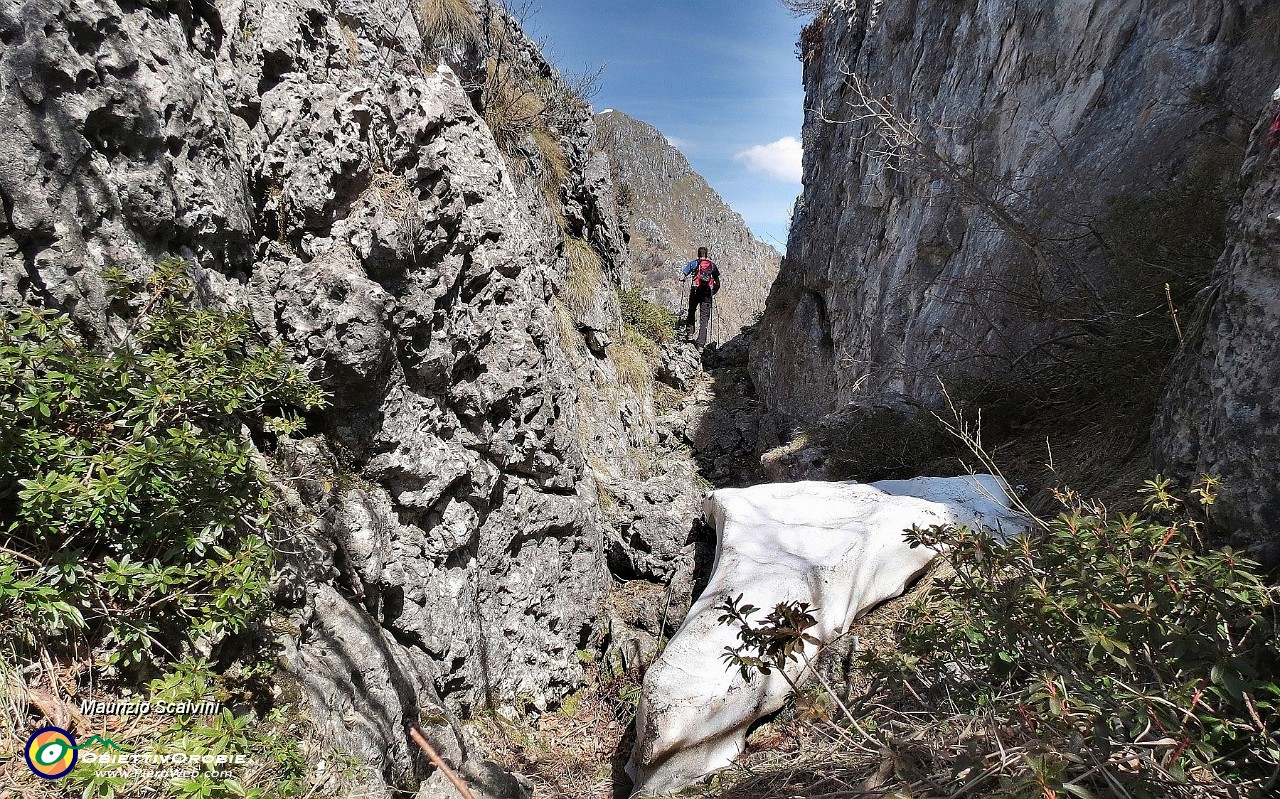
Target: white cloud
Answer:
pixel 779 159
pixel 683 145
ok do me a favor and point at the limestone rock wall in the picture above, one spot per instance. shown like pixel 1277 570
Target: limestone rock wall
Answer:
pixel 966 227
pixel 324 163
pixel 1221 414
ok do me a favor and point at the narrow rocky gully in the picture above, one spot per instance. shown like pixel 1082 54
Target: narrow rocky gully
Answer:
pixel 837 546
pixel 464 487
pixel 710 433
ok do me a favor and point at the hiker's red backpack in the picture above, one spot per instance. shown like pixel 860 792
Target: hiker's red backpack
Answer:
pixel 705 275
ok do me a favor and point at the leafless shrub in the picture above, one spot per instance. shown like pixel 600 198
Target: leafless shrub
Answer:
pixel 812 38
pixel 512 109
pixel 584 86
pixel 1264 25
pixel 805 8
pixel 898 140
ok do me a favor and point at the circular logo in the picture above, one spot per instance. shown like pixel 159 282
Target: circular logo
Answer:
pixel 51 752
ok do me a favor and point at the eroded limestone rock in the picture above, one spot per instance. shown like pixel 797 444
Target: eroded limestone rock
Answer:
pixel 988 250
pixel 1221 414
pixel 323 164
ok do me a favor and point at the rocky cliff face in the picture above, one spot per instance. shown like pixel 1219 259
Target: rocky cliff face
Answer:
pixel 992 190
pixel 324 163
pixel 1221 415
pixel 668 211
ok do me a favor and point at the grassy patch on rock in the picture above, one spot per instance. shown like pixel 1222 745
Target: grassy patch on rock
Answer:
pixel 585 278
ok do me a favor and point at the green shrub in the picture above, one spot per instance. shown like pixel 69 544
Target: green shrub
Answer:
pixel 1099 656
pixel 136 519
pixel 651 320
pixel 770 644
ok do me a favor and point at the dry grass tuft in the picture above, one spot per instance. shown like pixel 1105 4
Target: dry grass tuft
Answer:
pixel 393 194
pixel 448 21
pixel 585 277
pixel 48 693
pixel 553 158
pixel 579 751
pixel 558 215
pixel 634 357
pixel 14 701
pixel 667 399
pixel 353 45
pixel 575 753
pixel 567 327
pixel 555 171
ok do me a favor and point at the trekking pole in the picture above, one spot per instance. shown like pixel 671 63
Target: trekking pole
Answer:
pixel 686 310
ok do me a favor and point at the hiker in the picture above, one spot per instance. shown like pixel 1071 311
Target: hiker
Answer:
pixel 706 282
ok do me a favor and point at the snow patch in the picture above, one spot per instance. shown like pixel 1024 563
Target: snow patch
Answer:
pixel 837 546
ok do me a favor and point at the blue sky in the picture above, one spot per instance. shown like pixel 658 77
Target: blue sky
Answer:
pixel 718 77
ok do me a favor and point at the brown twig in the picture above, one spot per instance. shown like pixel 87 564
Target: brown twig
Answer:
pixel 438 762
pixel 25 557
